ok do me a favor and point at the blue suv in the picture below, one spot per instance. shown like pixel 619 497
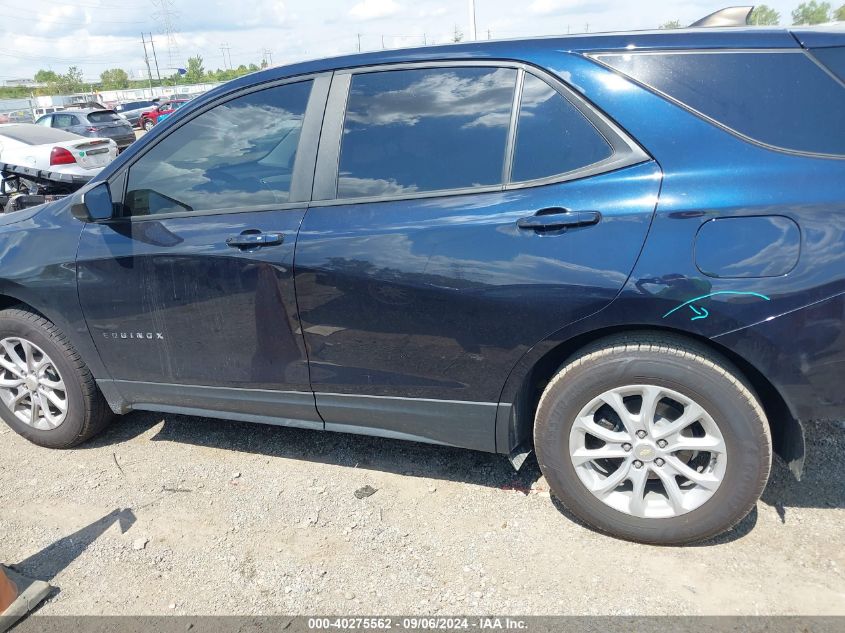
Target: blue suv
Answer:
pixel 623 251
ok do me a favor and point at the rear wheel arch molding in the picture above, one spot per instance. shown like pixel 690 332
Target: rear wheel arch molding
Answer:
pixel 522 391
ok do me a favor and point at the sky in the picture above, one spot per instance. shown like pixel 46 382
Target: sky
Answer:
pixel 99 34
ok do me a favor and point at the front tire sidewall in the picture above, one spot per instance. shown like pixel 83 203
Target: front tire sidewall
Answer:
pixel 70 429
pixel 739 420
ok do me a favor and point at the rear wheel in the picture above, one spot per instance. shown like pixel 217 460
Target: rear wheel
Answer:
pixel 47 394
pixel 653 439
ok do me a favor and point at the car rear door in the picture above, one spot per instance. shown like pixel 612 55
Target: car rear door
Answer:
pixel 189 293
pixel 64 121
pixel 462 212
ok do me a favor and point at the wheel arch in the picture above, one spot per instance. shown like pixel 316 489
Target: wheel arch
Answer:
pixel 525 385
pixel 76 330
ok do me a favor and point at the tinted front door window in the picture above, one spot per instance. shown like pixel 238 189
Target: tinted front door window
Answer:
pixel 411 131
pixel 238 154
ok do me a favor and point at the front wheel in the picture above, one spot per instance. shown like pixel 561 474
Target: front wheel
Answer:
pixel 47 394
pixel 148 125
pixel 653 439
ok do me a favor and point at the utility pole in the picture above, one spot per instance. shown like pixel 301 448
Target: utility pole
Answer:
pixel 225 48
pixel 359 42
pixel 166 16
pixel 472 34
pixel 489 36
pixel 382 42
pixel 147 61
pixel 158 74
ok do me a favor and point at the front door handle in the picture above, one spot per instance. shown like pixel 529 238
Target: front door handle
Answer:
pixel 556 218
pixel 255 240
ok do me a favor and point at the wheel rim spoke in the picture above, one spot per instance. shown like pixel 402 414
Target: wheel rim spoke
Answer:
pixel 651 396
pixel 614 400
pixel 639 478
pixel 10 366
pixel 708 444
pixel 10 382
pixel 692 414
pixel 31 386
pixel 658 466
pixel 700 479
pixel 12 355
pixel 583 455
pixel 587 425
pixel 611 482
pixel 28 355
pixel 673 491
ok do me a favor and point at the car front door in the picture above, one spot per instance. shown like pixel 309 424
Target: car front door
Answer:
pixel 189 293
pixel 462 213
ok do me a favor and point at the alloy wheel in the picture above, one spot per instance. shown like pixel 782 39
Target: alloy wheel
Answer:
pixel 30 384
pixel 648 451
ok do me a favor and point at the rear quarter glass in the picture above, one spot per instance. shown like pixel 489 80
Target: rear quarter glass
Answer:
pixel 781 99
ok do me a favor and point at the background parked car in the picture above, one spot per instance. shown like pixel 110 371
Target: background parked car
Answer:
pixel 56 150
pixel 92 123
pixel 132 110
pixel 164 109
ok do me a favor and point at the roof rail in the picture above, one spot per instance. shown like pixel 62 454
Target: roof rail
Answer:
pixel 730 16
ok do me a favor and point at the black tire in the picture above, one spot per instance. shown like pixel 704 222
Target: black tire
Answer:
pixel 148 125
pixel 689 369
pixel 87 411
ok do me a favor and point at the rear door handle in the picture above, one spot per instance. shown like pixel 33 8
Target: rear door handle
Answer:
pixel 556 218
pixel 255 240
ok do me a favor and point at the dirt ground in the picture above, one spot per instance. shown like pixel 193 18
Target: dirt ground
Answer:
pixel 173 514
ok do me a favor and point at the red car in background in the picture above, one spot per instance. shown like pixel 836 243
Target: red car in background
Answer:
pixel 149 119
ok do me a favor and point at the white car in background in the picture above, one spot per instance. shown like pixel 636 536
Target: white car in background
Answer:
pixel 50 149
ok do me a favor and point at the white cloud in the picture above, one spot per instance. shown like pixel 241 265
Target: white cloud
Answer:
pixel 545 7
pixel 95 39
pixel 372 9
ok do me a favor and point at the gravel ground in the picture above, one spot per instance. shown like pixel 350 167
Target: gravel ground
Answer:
pixel 174 514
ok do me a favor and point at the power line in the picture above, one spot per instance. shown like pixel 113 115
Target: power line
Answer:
pixel 166 16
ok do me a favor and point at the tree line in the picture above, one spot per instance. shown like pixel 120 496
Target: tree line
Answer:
pixel 118 79
pixel 806 13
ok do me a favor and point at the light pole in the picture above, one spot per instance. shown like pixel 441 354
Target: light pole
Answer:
pixel 472 34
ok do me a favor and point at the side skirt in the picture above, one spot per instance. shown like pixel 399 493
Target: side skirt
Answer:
pixel 449 422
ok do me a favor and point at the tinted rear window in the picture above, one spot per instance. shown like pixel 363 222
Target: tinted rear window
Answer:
pixel 833 58
pixel 103 116
pixel 782 99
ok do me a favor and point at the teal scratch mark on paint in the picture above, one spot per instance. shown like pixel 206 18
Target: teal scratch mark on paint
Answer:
pixel 702 313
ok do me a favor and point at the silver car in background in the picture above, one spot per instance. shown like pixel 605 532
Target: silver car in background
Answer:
pixel 92 123
pixel 131 111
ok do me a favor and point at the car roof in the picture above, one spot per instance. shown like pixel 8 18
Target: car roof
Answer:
pixel 751 37
pixel 84 110
pixel 32 134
